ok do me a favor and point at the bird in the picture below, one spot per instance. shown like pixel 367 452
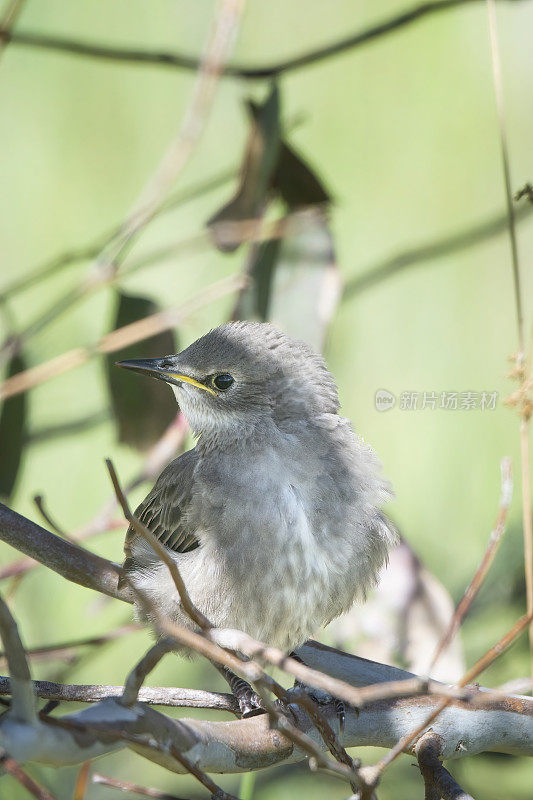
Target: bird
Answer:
pixel 274 517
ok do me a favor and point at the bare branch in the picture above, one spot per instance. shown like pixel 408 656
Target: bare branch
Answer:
pixel 161 551
pixel 467 678
pixel 119 338
pixel 243 745
pixel 134 788
pixel 439 783
pixel 7 22
pixel 138 674
pixel 153 695
pixel 72 562
pixel 179 61
pixel 82 780
pixel 158 457
pixel 14 769
pixel 22 697
pixel 418 256
pixel 60 649
pixel 492 548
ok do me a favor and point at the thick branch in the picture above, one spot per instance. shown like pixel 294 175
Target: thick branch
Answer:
pixel 439 783
pixel 72 562
pixel 244 745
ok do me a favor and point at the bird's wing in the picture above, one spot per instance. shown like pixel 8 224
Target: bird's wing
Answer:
pixel 164 509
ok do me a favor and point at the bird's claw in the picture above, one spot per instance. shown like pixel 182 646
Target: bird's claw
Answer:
pixel 321 698
pixel 250 704
pixel 340 709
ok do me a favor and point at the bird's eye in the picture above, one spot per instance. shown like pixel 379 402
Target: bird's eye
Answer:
pixel 222 382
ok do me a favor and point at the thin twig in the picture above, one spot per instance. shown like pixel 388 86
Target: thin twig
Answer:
pixel 281 722
pixel 82 780
pixel 131 788
pixel 219 45
pixel 491 655
pixel 23 706
pixel 8 21
pixel 141 670
pixel 39 502
pixel 498 90
pixel 527 516
pixel 492 548
pixel 60 648
pixel 305 701
pixel 163 451
pixel 15 770
pixel 179 61
pixel 436 249
pixel 153 695
pixel 119 338
pixel 161 551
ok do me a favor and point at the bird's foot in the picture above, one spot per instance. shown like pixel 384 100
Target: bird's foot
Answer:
pixel 321 698
pixel 248 700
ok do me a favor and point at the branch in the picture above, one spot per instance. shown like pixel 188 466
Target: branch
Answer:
pixel 386 268
pixel 153 695
pixel 161 551
pixel 72 562
pixel 180 61
pixel 131 788
pixel 492 548
pixel 22 698
pixel 119 338
pixel 91 250
pixel 15 770
pixel 162 452
pixel 439 783
pixel 244 745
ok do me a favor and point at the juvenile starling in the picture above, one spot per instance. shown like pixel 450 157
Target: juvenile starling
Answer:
pixel 274 516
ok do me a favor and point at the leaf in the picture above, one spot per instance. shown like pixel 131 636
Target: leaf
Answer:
pixel 142 407
pixel 296 182
pixel 306 287
pixel 259 162
pixel 12 432
pixel 254 300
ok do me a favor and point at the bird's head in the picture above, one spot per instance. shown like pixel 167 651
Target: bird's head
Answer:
pixel 241 375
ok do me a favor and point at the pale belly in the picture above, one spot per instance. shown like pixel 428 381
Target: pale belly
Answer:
pixel 280 591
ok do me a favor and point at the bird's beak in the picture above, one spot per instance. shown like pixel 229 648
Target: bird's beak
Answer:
pixel 153 367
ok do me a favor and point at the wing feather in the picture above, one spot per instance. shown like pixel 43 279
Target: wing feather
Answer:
pixel 164 509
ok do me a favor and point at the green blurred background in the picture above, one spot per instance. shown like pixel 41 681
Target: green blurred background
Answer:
pixel 403 132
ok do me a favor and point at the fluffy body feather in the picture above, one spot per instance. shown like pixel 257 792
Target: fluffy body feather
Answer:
pixel 273 518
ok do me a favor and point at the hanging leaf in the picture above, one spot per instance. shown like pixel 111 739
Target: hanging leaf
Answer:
pixel 142 407
pixel 12 432
pixel 306 287
pixel 296 182
pixel 259 163
pixel 254 300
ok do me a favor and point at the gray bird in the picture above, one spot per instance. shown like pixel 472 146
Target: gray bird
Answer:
pixel 274 516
